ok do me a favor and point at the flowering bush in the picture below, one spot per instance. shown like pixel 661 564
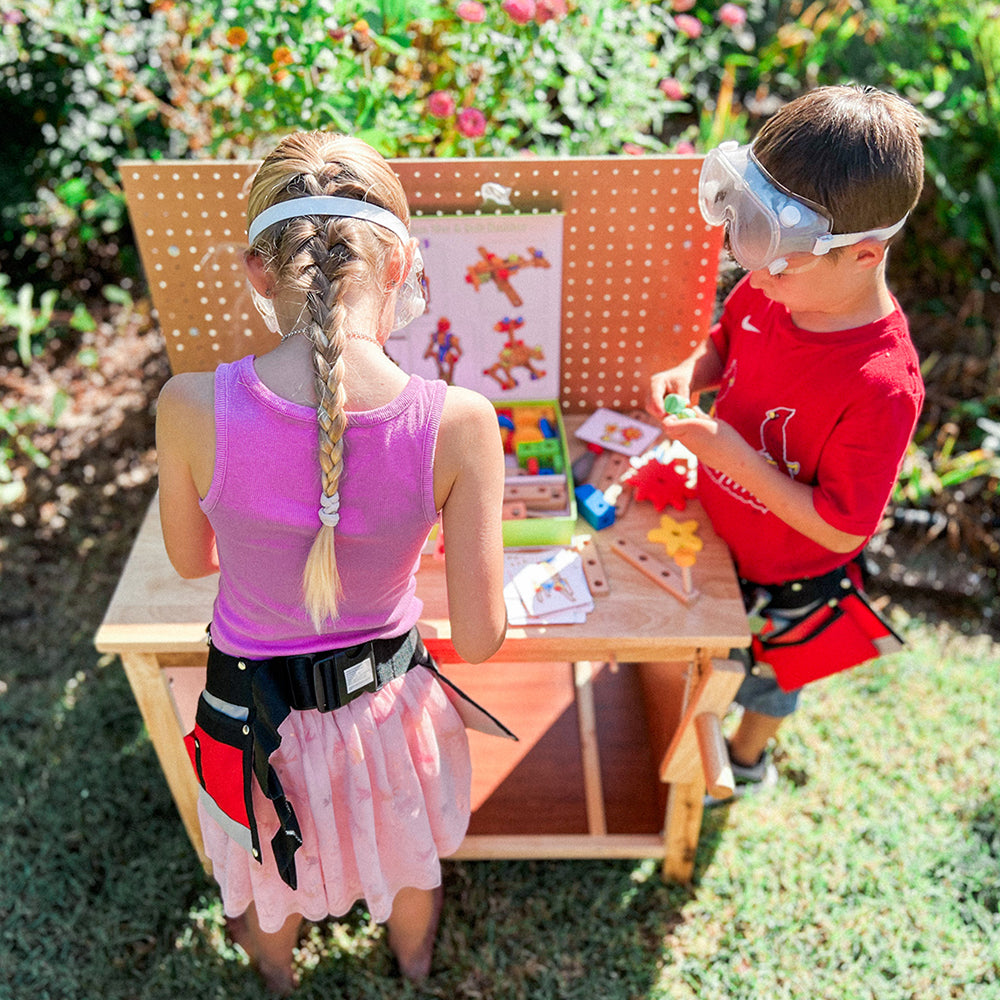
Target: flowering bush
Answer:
pixel 83 85
pixel 87 84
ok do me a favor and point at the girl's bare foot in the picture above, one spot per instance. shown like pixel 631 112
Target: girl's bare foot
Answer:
pixel 412 927
pixel 270 954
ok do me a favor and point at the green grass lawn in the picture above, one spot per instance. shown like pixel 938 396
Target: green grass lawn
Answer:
pixel 871 871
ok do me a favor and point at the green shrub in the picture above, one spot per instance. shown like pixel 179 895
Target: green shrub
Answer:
pixel 90 84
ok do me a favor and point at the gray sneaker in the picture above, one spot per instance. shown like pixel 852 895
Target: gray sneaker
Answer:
pixel 748 780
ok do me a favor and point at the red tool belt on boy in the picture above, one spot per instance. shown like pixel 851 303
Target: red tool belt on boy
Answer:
pixel 807 629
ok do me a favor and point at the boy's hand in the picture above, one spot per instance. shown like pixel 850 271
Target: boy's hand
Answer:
pixel 714 442
pixel 662 384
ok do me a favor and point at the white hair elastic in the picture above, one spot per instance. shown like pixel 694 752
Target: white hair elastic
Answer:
pixel 329 509
pixel 340 208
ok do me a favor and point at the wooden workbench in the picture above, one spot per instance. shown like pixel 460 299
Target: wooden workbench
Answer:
pixel 603 710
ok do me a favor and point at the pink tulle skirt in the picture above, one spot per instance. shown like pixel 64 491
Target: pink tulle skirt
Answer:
pixel 381 789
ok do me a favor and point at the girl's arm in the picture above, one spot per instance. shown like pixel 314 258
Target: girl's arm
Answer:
pixel 185 448
pixel 468 490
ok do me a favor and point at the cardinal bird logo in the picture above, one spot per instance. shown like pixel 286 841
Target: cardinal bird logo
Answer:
pixel 773 440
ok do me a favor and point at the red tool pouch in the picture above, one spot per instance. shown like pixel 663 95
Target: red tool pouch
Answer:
pixel 839 634
pixel 219 748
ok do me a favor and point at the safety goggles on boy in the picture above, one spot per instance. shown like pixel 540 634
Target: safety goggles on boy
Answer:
pixel 764 221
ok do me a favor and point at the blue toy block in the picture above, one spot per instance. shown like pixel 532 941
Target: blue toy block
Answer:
pixel 594 509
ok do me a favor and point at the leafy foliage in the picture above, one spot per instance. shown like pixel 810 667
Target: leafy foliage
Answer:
pixel 86 85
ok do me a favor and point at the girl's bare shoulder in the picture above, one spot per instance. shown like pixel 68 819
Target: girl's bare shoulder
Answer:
pixel 188 389
pixel 465 407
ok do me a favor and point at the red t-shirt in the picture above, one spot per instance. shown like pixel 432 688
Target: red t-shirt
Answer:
pixel 833 410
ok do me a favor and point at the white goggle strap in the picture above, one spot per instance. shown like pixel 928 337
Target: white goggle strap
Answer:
pixel 341 208
pixel 829 241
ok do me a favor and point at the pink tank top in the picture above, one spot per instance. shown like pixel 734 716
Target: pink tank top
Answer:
pixel 263 504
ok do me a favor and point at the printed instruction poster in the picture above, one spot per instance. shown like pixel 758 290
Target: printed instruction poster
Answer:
pixel 493 321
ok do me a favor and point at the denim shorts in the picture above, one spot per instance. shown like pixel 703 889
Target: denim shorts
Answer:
pixel 760 693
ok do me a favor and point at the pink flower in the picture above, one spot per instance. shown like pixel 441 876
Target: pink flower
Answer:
pixel 688 25
pixel 520 11
pixel 441 104
pixel 550 10
pixel 632 149
pixel 672 89
pixel 680 6
pixel 684 148
pixel 732 15
pixel 472 11
pixel 471 122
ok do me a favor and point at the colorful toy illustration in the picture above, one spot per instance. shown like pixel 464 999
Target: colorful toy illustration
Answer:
pixel 623 434
pixel 555 584
pixel 619 432
pixel 682 543
pixel 445 348
pixel 514 354
pixel 500 270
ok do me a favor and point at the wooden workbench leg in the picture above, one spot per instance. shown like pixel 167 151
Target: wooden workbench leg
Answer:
pixel 685 693
pixel 152 694
pixel 583 674
pixel 685 805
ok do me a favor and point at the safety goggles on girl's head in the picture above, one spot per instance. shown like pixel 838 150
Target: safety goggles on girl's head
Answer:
pixel 764 221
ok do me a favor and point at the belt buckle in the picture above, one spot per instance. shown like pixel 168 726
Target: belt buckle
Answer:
pixel 342 677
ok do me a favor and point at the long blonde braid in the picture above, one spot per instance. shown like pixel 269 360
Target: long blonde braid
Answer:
pixel 322 258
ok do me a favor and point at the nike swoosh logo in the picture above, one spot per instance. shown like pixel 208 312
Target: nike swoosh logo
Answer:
pixel 748 325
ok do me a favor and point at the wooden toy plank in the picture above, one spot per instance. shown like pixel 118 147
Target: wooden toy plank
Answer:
pixel 660 574
pixel 593 568
pixel 609 481
pixel 537 497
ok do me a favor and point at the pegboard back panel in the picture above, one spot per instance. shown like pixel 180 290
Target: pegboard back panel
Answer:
pixel 639 263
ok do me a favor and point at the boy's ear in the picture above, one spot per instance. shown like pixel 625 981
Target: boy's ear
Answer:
pixel 259 276
pixel 869 253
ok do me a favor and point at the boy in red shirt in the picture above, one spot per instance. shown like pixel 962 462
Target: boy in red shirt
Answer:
pixel 819 385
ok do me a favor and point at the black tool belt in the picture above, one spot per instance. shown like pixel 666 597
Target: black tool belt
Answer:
pixel 802 593
pixel 244 703
pixel 324 681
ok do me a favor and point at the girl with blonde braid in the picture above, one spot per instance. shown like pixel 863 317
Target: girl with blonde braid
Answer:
pixel 332 761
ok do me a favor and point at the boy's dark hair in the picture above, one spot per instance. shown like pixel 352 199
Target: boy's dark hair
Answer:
pixel 854 150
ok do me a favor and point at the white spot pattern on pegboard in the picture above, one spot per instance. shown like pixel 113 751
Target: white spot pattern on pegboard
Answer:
pixel 639 263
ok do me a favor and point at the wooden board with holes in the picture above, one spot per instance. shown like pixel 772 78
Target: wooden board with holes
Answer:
pixel 639 262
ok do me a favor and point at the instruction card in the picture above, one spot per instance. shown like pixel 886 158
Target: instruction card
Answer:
pixel 494 316
pixel 545 587
pixel 616 432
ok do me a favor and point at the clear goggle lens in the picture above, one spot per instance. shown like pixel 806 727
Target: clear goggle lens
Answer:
pixel 414 296
pixel 764 223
